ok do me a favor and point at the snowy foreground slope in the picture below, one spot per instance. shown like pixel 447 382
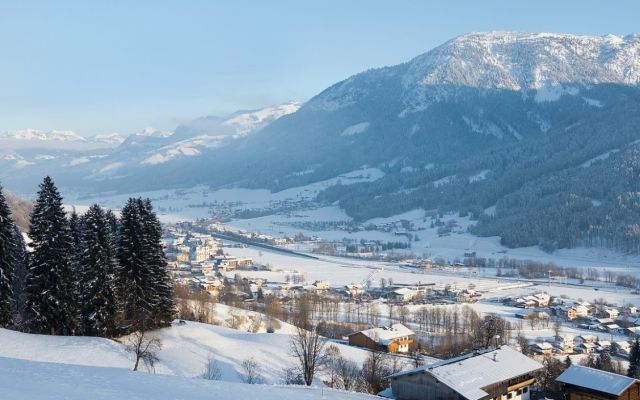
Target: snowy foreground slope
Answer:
pixel 185 350
pixel 21 379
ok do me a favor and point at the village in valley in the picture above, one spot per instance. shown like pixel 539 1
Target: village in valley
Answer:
pixel 310 200
pixel 419 311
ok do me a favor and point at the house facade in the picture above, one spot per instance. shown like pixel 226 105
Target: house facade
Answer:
pixel 394 339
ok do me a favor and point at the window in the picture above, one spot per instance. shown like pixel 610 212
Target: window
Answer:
pixel 525 389
pixel 510 395
pixel 519 392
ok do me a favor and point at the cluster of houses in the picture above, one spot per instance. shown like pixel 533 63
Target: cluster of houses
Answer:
pixel 503 373
pixel 584 315
pixel 573 310
pixel 582 344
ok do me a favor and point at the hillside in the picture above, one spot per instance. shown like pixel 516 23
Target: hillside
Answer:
pixel 185 350
pixel 21 379
pixel 20 210
pixel 539 128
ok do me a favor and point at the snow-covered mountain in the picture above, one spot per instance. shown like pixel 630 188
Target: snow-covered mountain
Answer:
pixel 545 65
pixel 499 120
pixel 238 124
pixel 109 138
pixel 32 153
pixel 35 134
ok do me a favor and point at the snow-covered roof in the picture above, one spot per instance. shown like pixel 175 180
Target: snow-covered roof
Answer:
pixel 468 374
pixel 595 379
pixel 384 335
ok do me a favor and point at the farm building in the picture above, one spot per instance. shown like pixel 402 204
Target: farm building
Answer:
pixel 395 339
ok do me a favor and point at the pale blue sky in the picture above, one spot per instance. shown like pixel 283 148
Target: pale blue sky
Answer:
pixel 118 66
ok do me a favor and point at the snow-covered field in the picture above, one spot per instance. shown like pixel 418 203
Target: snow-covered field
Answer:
pixel 196 202
pixel 340 271
pixel 185 351
pixel 30 380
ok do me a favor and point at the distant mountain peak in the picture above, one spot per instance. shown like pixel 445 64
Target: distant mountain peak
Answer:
pixel 37 134
pixel 524 60
pixel 544 66
pixel 250 121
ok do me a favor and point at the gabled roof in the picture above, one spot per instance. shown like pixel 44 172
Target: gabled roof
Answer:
pixel 594 379
pixel 384 335
pixel 468 374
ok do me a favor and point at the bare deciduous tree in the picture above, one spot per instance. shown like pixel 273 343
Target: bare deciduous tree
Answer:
pixel 307 346
pixel 330 362
pixel 374 369
pixel 211 370
pixel 144 347
pixel 348 373
pixel 292 376
pixel 251 372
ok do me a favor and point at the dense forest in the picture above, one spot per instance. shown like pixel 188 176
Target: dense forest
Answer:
pixel 574 185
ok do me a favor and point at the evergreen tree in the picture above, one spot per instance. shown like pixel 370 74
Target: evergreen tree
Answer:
pixel 75 233
pixel 7 261
pixel 51 305
pixel 162 288
pixel 21 269
pixel 132 274
pixel 604 362
pixel 143 285
pixel 97 264
pixel 114 226
pixel 634 360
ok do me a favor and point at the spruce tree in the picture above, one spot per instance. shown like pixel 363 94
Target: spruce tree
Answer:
pixel 21 257
pixel 75 233
pixel 634 360
pixel 114 226
pixel 7 261
pixel 51 306
pixel 162 288
pixel 133 276
pixel 98 264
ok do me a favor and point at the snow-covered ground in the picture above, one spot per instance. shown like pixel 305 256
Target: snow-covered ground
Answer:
pixel 197 202
pixel 185 350
pixel 30 380
pixel 340 271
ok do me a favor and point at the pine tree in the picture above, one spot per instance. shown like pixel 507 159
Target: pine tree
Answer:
pixel 75 233
pixel 97 265
pixel 161 288
pixel 21 257
pixel 133 276
pixel 634 360
pixel 7 261
pixel 114 226
pixel 51 306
